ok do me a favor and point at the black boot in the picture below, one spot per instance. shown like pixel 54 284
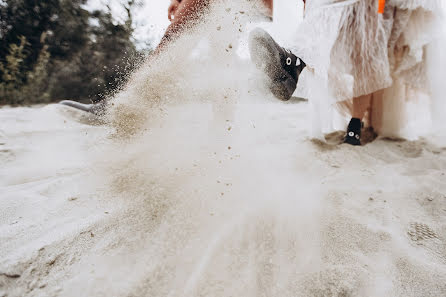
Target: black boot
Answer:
pixel 353 135
pixel 281 65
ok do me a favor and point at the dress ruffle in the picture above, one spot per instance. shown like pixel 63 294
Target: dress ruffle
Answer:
pixel 352 51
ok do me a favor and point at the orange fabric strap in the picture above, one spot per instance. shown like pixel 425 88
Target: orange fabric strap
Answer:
pixel 381 5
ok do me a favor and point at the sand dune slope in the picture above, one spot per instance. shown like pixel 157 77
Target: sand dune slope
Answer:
pixel 229 200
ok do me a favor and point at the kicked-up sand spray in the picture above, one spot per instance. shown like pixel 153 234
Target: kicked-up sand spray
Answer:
pixel 227 197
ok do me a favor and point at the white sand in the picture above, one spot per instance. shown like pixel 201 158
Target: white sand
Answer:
pixel 202 184
pixel 183 215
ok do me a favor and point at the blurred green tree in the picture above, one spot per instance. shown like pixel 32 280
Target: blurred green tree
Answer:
pixel 83 56
pixel 18 86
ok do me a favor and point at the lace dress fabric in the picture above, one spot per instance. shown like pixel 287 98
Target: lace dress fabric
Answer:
pixel 352 51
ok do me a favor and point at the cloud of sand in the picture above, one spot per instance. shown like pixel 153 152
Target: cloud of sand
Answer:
pixel 232 206
pixel 202 65
pixel 183 140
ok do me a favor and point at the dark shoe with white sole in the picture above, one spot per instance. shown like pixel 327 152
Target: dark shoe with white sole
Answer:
pixel 353 135
pixel 280 64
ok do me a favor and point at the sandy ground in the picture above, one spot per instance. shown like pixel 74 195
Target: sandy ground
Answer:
pixel 230 200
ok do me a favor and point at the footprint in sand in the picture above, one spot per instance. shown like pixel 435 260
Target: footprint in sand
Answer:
pixel 419 231
pixel 424 236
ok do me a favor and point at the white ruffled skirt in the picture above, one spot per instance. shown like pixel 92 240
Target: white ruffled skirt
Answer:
pixel 353 51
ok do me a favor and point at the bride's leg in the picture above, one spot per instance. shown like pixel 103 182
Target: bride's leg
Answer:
pixel 375 118
pixel 361 105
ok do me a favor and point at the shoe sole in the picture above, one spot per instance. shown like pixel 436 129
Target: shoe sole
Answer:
pixel 97 109
pixel 265 56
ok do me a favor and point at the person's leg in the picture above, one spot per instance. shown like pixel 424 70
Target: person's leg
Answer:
pixel 187 12
pixel 376 111
pixel 360 106
pixel 369 109
pixel 269 5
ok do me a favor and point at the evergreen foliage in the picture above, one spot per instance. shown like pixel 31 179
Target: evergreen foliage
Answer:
pixel 56 49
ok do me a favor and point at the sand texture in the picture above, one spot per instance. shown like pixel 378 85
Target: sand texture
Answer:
pixel 232 200
pixel 197 182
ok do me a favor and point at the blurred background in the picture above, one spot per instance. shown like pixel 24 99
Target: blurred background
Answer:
pixel 84 50
pixel 81 50
pixel 73 49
